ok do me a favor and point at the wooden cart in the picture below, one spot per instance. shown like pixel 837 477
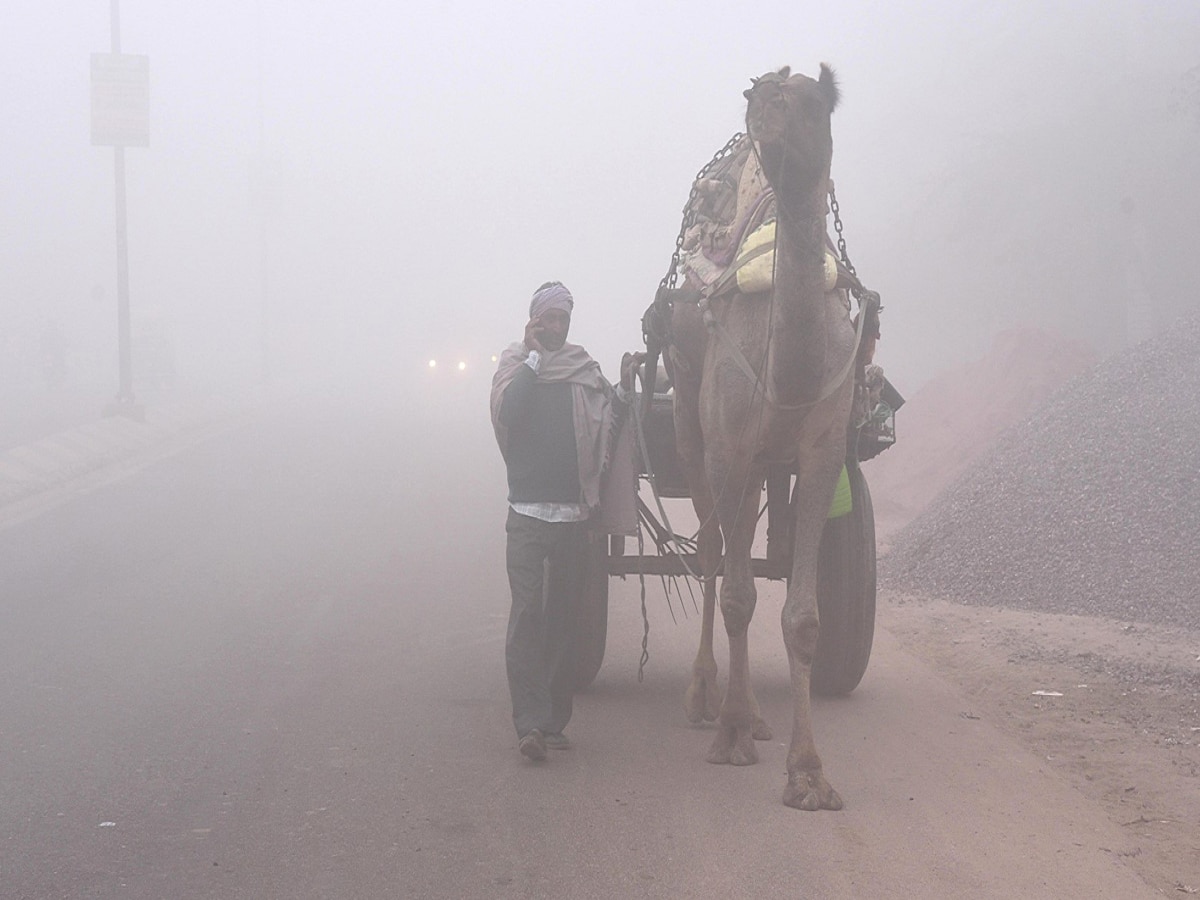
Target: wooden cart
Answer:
pixel 846 586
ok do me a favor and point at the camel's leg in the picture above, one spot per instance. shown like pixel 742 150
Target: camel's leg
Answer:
pixel 779 532
pixel 737 508
pixel 806 785
pixel 702 702
pixel 760 729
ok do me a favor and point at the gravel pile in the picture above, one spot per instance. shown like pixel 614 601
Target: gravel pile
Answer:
pixel 1091 506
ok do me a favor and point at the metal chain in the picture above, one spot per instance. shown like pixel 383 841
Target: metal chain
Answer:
pixel 862 294
pixel 689 211
pixel 866 300
pixel 837 226
pixel 689 217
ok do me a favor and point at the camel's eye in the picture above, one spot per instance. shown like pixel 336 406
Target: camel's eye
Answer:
pixel 769 95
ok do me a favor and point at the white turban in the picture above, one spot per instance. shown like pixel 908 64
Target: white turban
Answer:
pixel 552 295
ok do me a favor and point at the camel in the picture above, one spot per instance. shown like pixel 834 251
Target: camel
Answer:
pixel 760 379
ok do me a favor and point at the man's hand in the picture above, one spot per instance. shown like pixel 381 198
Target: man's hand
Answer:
pixel 630 363
pixel 533 329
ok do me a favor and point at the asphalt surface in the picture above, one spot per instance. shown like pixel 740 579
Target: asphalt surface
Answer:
pixel 265 660
pixel 49 438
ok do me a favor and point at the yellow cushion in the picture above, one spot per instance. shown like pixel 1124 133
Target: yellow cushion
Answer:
pixel 755 271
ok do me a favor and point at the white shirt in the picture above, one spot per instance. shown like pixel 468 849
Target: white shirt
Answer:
pixel 552 512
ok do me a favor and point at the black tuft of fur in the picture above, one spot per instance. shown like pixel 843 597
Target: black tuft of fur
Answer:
pixel 829 86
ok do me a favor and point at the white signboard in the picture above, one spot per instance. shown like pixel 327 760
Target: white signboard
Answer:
pixel 120 100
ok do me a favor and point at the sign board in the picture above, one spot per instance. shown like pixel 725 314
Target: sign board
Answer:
pixel 120 100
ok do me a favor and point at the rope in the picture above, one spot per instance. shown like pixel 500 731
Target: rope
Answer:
pixel 757 378
pixel 672 540
pixel 645 657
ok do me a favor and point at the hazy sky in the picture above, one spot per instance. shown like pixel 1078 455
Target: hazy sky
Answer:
pixel 426 165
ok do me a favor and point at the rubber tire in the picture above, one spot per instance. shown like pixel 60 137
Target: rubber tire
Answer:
pixel 846 595
pixel 591 624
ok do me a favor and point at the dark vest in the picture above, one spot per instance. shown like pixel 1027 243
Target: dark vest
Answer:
pixel 542 459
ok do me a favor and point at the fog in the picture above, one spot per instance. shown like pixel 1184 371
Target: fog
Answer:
pixel 377 184
pixel 277 658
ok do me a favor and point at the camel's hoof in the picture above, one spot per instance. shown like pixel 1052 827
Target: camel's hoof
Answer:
pixel 810 791
pixel 734 747
pixel 701 703
pixel 693 704
pixel 762 731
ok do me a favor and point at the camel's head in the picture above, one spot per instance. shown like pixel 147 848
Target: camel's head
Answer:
pixel 788 117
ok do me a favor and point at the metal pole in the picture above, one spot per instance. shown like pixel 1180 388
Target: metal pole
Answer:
pixel 125 391
pixel 264 337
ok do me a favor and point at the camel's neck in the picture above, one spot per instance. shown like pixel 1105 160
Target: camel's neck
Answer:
pixel 799 310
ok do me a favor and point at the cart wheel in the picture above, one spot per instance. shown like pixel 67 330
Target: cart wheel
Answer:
pixel 591 626
pixel 846 594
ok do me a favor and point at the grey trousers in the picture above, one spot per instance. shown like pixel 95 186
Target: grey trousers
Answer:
pixel 545 560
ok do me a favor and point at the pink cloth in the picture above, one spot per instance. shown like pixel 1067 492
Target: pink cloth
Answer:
pixel 591 406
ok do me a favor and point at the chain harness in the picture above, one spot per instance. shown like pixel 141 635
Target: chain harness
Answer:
pixel 836 209
pixel 689 216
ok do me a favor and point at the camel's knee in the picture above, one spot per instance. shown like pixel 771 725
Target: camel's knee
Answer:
pixel 800 634
pixel 737 609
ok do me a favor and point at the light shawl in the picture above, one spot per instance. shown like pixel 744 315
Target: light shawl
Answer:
pixel 592 407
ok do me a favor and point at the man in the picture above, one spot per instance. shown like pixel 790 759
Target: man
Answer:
pixel 553 416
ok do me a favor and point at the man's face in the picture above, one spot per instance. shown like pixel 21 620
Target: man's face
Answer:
pixel 555 323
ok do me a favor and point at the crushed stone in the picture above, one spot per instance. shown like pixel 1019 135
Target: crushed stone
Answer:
pixel 1088 506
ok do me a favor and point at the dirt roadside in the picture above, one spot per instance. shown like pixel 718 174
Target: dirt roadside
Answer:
pixel 1114 707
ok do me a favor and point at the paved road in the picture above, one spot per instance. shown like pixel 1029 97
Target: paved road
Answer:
pixel 270 666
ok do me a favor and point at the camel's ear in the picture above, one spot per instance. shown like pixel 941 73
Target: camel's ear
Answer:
pixel 785 73
pixel 828 85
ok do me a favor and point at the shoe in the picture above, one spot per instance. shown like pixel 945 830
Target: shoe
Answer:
pixel 533 746
pixel 557 741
